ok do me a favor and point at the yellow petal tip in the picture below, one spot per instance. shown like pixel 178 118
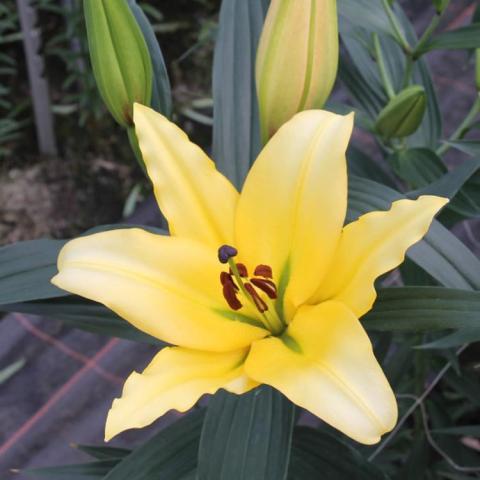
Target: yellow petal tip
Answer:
pixel 54 280
pixel 434 201
pixel 57 280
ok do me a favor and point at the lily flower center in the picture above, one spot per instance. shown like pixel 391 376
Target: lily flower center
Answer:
pixel 259 290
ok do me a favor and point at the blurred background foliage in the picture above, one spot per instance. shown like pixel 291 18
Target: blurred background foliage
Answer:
pixel 95 165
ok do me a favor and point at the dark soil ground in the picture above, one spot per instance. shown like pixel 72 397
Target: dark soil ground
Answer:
pixel 62 394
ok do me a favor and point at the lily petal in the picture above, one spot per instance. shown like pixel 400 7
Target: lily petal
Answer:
pixel 292 208
pixel 373 245
pixel 198 201
pixel 175 379
pixel 326 365
pixel 167 287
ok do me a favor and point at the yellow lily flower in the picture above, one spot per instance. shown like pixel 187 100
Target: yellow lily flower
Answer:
pixel 262 287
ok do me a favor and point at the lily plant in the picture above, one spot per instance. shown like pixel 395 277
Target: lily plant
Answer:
pixel 265 286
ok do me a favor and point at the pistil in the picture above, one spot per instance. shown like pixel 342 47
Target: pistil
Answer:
pixel 240 281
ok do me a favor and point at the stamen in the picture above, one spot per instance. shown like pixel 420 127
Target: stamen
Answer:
pixel 266 286
pixel 264 271
pixel 230 294
pixel 227 278
pixel 259 303
pixel 226 252
pixel 242 270
pixel 237 287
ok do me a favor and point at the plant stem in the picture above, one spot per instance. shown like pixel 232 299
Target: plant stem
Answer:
pixel 387 81
pixel 416 404
pixel 426 35
pixel 396 27
pixel 408 71
pixel 416 54
pixel 420 374
pixel 463 127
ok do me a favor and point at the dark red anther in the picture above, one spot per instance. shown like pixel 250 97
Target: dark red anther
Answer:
pixel 266 286
pixel 230 294
pixel 242 270
pixel 227 278
pixel 263 271
pixel 259 303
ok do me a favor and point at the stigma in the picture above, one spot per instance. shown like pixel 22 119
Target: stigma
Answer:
pixel 226 252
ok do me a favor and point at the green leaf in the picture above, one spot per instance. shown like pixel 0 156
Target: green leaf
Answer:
pixel 424 170
pixel 26 269
pixel 246 437
pixel 464 37
pixel 369 99
pixel 161 91
pixel 455 339
pixel 368 14
pixel 440 253
pixel 467 385
pixel 103 453
pixel 465 430
pixel 398 364
pixel 431 128
pixel 363 165
pixel 416 464
pixel 359 72
pixel 453 476
pixel 77 471
pixel 79 313
pixel 423 309
pixel 470 147
pixel 169 455
pixel 236 131
pixel 320 455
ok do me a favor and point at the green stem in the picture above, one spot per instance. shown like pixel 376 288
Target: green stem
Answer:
pixel 463 128
pixel 412 57
pixel 400 37
pixel 387 81
pixel 132 138
pixel 386 440
pixel 420 372
pixel 408 71
pixel 426 35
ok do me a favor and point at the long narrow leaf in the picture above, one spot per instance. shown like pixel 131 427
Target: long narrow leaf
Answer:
pixel 236 131
pixel 440 253
pixel 424 309
pixel 169 455
pixel 318 455
pixel 79 313
pixel 247 437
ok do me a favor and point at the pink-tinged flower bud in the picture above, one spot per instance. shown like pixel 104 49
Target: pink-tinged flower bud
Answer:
pixel 297 60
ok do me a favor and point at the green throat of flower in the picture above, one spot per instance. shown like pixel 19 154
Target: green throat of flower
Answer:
pixel 259 290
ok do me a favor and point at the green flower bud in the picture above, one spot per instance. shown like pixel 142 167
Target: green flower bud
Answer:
pixel 120 59
pixel 403 113
pixel 440 5
pixel 297 60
